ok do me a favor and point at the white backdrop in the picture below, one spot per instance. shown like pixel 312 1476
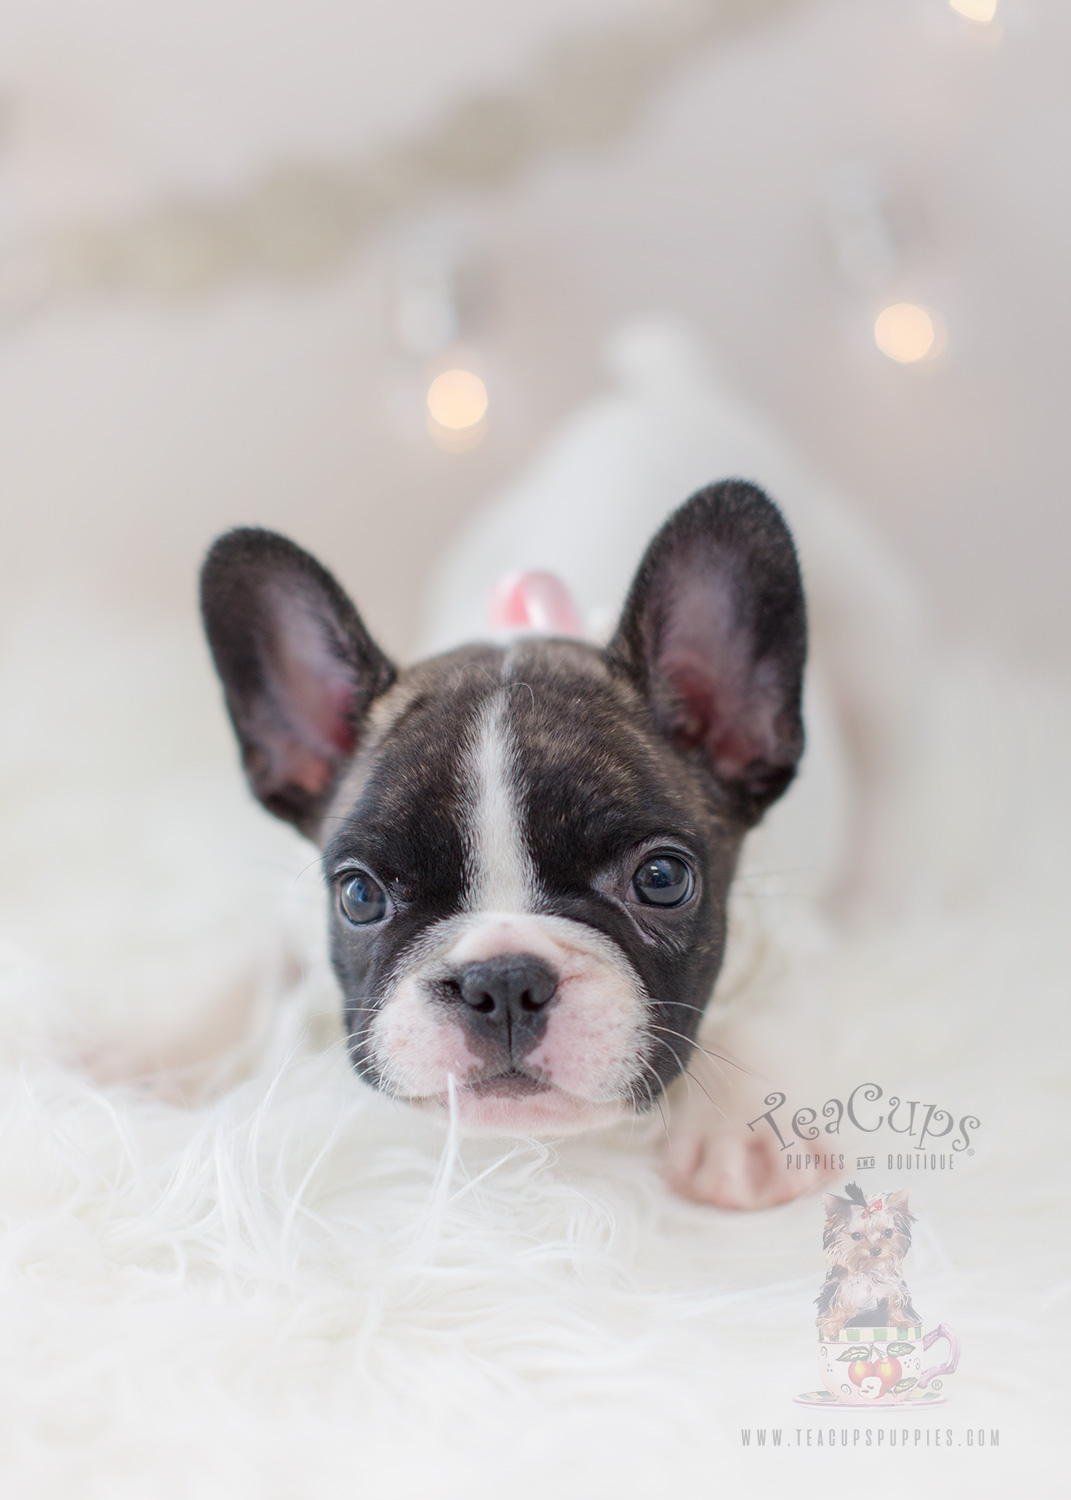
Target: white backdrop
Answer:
pixel 136 424
pixel 226 1269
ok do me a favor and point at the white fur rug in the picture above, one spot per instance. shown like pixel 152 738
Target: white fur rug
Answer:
pixel 229 1270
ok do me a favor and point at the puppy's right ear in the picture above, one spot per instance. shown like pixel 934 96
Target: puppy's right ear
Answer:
pixel 299 670
pixel 836 1208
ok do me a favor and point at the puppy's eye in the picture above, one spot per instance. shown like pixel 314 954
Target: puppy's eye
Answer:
pixel 886 1234
pixel 856 1235
pixel 663 881
pixel 361 898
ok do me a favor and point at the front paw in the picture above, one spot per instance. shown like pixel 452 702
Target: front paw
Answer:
pixel 713 1160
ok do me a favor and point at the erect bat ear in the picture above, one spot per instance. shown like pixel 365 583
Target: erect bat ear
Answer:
pixel 836 1208
pixel 898 1200
pixel 714 633
pixel 299 670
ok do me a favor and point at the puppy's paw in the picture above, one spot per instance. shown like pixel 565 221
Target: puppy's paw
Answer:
pixel 711 1160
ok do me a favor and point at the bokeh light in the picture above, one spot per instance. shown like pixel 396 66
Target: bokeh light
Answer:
pixel 905 332
pixel 457 400
pixel 981 11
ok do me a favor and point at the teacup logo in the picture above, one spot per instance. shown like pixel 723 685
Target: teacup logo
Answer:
pixel 865 1243
pixel 871 1339
pixel 875 1373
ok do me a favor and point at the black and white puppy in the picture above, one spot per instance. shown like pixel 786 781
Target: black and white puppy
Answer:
pixel 528 849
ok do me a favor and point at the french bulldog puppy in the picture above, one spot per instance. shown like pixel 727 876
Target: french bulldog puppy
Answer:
pixel 528 849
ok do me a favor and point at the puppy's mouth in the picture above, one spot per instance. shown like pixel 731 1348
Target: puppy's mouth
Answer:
pixel 513 1101
pixel 508 1083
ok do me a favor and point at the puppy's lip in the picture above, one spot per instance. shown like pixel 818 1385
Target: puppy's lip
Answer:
pixel 508 1105
pixel 511 1083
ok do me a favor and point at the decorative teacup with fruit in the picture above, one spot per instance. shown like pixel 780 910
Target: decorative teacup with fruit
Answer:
pixel 883 1366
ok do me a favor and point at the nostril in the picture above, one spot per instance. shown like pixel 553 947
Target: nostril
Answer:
pixel 503 990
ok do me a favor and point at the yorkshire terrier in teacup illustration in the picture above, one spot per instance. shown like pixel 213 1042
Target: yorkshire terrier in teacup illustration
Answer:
pixel 865 1244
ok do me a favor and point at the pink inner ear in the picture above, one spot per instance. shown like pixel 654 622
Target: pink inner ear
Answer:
pixel 534 601
pixel 296 765
pixel 314 694
pixel 724 701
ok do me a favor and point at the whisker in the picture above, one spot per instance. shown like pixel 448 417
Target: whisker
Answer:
pixel 686 1073
pixel 656 1098
pixel 715 1057
pixel 710 1096
pixel 700 1010
pixel 652 1097
pixel 366 1073
pixel 675 1054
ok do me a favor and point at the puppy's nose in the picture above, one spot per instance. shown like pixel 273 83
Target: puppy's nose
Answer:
pixel 875 1250
pixel 507 998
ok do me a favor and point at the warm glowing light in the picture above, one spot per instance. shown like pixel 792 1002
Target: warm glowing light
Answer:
pixel 981 11
pixel 905 332
pixel 457 399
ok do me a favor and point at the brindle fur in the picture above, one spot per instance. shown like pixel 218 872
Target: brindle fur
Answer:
pixel 683 730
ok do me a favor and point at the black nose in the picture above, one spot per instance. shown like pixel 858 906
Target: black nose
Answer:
pixel 875 1250
pixel 507 999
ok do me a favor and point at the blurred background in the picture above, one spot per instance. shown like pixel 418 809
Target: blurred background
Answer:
pixel 241 242
pixel 352 269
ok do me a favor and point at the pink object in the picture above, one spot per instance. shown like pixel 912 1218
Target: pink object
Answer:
pixel 942 1331
pixel 534 601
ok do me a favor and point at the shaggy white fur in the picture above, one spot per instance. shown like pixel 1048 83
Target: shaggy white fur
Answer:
pixel 229 1270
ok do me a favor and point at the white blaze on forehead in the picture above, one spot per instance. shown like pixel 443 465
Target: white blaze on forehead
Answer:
pixel 501 876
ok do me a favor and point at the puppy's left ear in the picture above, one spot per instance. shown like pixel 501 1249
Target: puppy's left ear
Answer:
pixel 898 1201
pixel 299 669
pixel 714 634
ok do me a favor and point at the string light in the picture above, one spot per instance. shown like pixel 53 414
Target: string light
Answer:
pixel 905 332
pixel 980 11
pixel 457 399
pixel 457 409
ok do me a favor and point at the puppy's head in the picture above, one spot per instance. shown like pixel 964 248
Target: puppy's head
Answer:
pixel 528 850
pixel 864 1237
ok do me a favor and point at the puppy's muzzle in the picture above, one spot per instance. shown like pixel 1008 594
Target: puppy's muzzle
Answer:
pixel 504 1001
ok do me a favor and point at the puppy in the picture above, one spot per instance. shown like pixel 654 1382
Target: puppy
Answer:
pixel 528 849
pixel 865 1245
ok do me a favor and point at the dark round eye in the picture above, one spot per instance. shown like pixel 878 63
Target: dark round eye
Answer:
pixel 856 1235
pixel 361 898
pixel 886 1234
pixel 664 880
